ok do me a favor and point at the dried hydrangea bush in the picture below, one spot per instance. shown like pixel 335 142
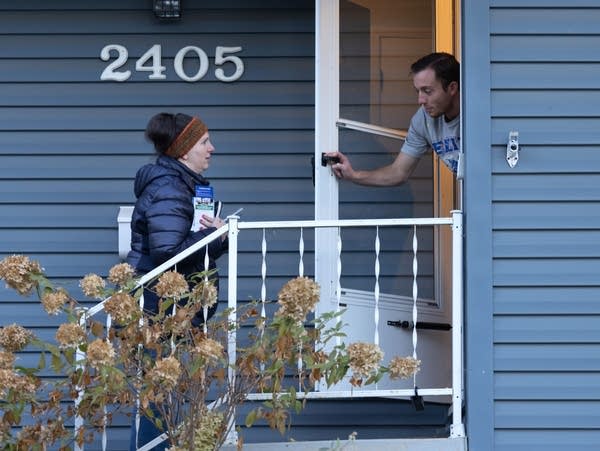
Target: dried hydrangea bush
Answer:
pixel 174 371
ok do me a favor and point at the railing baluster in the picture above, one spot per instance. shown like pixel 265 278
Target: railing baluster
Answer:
pixel 376 290
pixel 457 428
pixel 140 350
pixel 232 317
pixel 301 249
pixel 415 293
pixel 263 274
pixel 338 290
pixel 205 307
pixel 104 437
pixel 263 287
pixel 300 273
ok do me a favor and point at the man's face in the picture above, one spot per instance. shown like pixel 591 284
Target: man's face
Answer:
pixel 432 95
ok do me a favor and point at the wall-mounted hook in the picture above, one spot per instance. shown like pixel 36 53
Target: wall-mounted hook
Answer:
pixel 512 149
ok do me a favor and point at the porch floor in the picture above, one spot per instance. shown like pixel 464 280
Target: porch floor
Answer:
pixel 420 444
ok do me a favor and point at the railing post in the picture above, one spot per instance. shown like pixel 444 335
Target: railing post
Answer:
pixel 457 429
pixel 232 305
pixel 79 357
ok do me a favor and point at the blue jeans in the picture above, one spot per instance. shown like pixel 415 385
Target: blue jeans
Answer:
pixel 147 432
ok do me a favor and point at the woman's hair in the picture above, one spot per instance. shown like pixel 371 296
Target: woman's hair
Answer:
pixel 163 128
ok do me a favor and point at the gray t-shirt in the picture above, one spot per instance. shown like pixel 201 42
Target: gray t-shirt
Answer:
pixel 426 133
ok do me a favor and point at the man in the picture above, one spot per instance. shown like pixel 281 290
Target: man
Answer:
pixel 435 125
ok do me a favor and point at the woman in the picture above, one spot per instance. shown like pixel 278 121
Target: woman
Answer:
pixel 161 224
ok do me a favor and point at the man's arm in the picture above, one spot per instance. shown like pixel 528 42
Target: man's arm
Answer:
pixel 393 174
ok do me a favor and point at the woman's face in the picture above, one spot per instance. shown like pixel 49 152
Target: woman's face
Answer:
pixel 198 158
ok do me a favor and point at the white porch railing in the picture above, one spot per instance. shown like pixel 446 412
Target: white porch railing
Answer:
pixel 234 228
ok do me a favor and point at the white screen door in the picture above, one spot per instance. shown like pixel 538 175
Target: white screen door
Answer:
pixel 364 52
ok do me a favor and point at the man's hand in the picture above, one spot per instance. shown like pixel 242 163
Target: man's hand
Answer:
pixel 343 169
pixel 393 174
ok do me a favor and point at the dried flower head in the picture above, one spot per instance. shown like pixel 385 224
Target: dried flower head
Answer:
pixel 54 301
pixel 25 385
pixel 100 353
pixel 93 286
pixel 403 367
pixel 297 298
pixel 205 292
pixel 7 360
pixel 166 373
pixel 7 378
pixel 16 271
pixel 208 431
pixel 121 274
pixel 11 380
pixel 210 349
pixel 171 284
pixel 14 338
pixel 123 308
pixel 34 433
pixel 70 335
pixel 151 334
pixel 364 358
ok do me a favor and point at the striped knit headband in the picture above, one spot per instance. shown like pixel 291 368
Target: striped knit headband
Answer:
pixel 188 137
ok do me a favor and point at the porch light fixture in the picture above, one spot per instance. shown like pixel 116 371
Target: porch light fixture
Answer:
pixel 167 9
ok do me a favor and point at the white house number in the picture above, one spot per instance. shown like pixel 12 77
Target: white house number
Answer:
pixel 151 61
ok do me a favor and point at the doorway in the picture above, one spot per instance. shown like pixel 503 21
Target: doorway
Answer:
pixel 371 88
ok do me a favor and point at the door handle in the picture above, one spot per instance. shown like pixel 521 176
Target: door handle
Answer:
pixel 420 325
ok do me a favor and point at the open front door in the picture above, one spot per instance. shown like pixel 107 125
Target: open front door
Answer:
pixel 364 102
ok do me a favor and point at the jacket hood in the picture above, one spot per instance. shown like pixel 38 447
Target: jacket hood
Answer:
pixel 165 167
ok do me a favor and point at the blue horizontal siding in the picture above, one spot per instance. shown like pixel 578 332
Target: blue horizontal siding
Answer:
pixel 518 4
pixel 571 357
pixel 519 300
pixel 555 76
pixel 57 215
pixel 522 47
pixel 546 440
pixel 135 118
pixel 547 329
pixel 547 21
pixel 540 386
pixel 131 142
pixel 552 272
pixel 545 244
pixel 147 94
pixel 547 414
pixel 584 130
pixel 108 22
pixel 540 216
pixel 65 46
pixel 547 187
pixel 136 4
pixel 57 70
pixel 543 103
pixel 545 263
pixel 61 240
pixel 550 160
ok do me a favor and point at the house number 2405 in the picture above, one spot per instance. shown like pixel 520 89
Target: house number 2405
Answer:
pixel 151 61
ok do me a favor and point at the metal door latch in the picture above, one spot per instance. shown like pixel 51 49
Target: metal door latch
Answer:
pixel 512 149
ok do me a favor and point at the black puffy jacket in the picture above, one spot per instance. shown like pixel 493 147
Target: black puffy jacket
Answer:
pixel 162 218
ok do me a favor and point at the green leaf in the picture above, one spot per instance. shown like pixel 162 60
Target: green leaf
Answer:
pixel 56 363
pixel 42 361
pixel 251 418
